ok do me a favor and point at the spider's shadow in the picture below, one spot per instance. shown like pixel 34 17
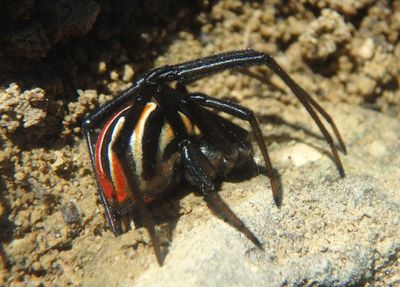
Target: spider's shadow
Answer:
pixel 285 137
pixel 166 212
pixel 252 169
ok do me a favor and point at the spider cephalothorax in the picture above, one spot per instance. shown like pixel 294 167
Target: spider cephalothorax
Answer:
pixel 153 135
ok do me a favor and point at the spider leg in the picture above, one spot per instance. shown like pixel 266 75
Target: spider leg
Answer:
pixel 121 148
pixel 214 126
pixel 211 129
pixel 196 165
pixel 191 158
pixel 328 118
pixel 313 103
pixel 247 115
pixel 115 228
pixel 302 96
pixel 194 70
pixel 102 113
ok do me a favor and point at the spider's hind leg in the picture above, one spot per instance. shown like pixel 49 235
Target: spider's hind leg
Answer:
pixel 246 115
pixel 227 146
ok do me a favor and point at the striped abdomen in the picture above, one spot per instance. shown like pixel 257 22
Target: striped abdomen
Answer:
pixel 152 153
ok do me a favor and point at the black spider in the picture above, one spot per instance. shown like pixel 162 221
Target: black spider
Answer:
pixel 153 134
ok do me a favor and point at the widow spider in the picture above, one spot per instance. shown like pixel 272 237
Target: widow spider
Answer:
pixel 152 135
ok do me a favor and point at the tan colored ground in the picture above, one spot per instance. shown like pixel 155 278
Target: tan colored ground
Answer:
pixel 328 232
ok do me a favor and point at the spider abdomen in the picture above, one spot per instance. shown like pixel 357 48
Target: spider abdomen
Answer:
pixel 152 152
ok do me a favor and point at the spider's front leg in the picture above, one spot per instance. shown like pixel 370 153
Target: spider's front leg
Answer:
pixel 199 172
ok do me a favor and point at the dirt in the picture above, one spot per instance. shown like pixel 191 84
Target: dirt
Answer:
pixel 59 61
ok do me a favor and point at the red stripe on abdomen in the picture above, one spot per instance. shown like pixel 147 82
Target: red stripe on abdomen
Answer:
pixel 101 150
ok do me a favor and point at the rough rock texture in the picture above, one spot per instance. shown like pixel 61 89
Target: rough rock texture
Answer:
pixel 30 28
pixel 59 61
pixel 27 109
pixel 329 231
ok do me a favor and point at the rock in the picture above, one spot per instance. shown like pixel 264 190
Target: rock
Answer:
pixel 329 231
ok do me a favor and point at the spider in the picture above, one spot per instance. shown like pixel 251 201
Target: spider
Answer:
pixel 153 135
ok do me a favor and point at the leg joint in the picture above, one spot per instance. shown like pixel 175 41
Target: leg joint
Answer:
pixel 86 124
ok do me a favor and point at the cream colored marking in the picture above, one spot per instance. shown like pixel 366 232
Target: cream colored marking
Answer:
pixel 136 140
pixel 103 134
pixel 166 135
pixel 114 136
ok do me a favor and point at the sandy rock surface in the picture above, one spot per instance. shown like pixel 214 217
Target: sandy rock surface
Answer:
pixel 329 231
